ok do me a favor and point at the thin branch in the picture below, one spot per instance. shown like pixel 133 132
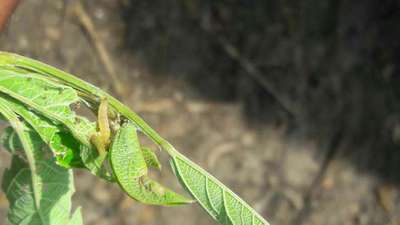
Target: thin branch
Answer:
pixel 88 26
pixel 257 75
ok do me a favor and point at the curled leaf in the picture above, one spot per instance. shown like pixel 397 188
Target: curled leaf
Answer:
pixel 126 155
pixel 129 165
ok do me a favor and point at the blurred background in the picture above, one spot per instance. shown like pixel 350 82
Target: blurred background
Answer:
pixel 292 104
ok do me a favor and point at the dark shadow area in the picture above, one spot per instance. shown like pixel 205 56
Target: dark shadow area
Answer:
pixel 325 69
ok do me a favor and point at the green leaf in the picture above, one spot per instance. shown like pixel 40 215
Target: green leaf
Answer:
pixel 39 191
pixel 76 218
pixel 220 202
pixel 10 141
pixel 64 146
pixel 67 150
pixel 151 158
pixel 54 200
pixel 126 154
pixel 52 97
pixel 51 103
pixel 130 168
pixel 49 99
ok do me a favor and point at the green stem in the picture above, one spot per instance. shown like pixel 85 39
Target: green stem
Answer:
pixel 14 60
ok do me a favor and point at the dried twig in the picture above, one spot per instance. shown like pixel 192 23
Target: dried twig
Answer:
pixel 257 75
pixel 252 71
pixel 88 26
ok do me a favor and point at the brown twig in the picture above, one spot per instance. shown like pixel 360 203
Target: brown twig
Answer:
pixel 88 26
pixel 233 52
pixel 257 75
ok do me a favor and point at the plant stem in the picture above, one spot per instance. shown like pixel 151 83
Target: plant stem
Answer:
pixel 85 87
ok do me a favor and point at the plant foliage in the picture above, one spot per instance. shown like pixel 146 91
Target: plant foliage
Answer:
pixel 47 139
